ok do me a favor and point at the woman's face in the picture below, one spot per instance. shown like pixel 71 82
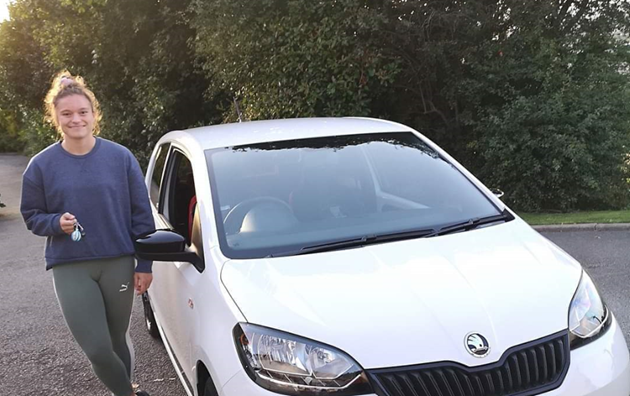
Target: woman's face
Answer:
pixel 75 117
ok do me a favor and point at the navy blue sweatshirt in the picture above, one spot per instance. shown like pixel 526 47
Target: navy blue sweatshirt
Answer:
pixel 104 189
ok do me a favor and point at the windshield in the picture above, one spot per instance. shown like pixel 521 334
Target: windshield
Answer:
pixel 276 197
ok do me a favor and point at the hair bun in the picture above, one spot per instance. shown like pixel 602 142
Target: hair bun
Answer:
pixel 64 81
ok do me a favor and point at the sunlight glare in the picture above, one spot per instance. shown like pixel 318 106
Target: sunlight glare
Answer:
pixel 4 11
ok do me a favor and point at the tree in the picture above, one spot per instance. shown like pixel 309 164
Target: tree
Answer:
pixel 24 76
pixel 530 94
pixel 292 58
pixel 552 115
pixel 134 55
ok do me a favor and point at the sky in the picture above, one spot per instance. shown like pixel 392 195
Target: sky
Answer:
pixel 4 12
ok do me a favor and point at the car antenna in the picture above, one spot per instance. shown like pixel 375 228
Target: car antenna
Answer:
pixel 238 110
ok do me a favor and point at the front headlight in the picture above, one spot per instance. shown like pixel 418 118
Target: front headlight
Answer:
pixel 292 365
pixel 588 315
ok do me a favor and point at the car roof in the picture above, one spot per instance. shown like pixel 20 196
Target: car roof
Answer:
pixel 252 132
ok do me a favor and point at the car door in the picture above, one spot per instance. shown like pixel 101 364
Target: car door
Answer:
pixel 172 290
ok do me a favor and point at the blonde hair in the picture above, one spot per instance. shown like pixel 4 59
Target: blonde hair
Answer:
pixel 63 85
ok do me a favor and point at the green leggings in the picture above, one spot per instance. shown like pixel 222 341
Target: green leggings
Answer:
pixel 96 298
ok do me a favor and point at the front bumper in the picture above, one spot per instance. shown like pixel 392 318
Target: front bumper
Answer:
pixel 601 368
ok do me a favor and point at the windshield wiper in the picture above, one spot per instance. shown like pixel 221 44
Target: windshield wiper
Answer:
pixel 473 223
pixel 397 236
pixel 357 242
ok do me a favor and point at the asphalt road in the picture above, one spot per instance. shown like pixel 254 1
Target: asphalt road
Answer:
pixel 38 356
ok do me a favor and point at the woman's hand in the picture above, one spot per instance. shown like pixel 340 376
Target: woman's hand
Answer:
pixel 142 281
pixel 66 221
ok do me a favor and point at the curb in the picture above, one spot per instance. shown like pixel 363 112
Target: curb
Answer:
pixel 583 227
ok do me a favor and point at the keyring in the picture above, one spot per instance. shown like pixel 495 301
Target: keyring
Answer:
pixel 78 232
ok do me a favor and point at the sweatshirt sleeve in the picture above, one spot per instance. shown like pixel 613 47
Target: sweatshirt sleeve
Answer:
pixel 34 212
pixel 142 222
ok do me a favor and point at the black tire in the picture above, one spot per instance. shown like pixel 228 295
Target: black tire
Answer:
pixel 209 389
pixel 149 317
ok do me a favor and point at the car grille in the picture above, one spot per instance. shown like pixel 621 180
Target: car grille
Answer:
pixel 524 370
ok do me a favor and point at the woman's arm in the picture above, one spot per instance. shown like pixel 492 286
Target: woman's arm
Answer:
pixel 142 222
pixel 34 212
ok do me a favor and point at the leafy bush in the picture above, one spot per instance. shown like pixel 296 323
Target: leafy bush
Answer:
pixel 10 139
pixel 532 96
pixel 293 58
pixel 552 125
pixel 38 133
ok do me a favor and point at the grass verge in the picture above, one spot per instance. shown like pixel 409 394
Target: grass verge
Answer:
pixel 609 216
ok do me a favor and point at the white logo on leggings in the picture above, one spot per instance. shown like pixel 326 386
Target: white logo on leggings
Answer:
pixel 124 287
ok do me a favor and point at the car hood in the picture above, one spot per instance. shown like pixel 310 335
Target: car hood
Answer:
pixel 414 301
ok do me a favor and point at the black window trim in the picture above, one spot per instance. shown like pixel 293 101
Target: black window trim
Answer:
pixel 170 170
pixel 160 201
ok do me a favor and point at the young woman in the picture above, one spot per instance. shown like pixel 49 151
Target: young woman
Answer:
pixel 87 196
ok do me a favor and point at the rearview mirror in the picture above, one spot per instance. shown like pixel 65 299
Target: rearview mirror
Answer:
pixel 167 245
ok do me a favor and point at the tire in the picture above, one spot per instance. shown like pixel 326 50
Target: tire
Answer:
pixel 149 317
pixel 209 389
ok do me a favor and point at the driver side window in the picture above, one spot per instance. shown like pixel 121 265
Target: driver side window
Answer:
pixel 182 198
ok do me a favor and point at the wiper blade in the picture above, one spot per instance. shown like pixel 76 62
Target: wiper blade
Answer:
pixel 324 247
pixel 473 223
pixel 400 236
pixel 397 236
pixel 357 242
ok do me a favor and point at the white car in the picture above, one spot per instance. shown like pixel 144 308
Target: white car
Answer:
pixel 350 256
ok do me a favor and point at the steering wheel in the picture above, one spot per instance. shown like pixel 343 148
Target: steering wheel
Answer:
pixel 234 219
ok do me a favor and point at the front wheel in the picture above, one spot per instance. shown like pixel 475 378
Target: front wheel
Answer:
pixel 149 317
pixel 209 389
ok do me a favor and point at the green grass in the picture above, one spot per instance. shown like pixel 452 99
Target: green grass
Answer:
pixel 611 216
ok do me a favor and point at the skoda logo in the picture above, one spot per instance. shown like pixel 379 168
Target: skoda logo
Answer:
pixel 477 345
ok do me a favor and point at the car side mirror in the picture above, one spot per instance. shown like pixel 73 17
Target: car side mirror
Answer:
pixel 167 245
pixel 498 193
